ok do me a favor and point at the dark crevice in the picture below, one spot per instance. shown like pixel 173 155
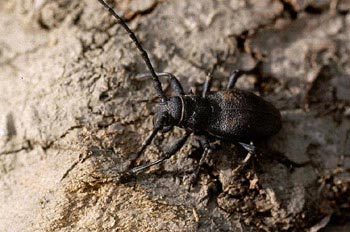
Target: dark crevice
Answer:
pixel 129 15
pixel 293 14
pixel 241 39
pixel 43 25
pixel 343 12
pixel 147 11
pixel 214 192
pixel 313 10
pixel 104 96
pixel 196 154
pixel 77 17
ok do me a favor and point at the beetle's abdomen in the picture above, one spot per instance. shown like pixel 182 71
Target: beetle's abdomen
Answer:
pixel 239 115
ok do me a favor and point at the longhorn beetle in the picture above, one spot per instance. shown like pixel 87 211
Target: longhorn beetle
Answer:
pixel 232 114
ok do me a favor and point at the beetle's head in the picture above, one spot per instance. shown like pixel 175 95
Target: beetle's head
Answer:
pixel 169 113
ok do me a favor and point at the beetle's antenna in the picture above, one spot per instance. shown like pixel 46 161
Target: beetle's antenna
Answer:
pixel 156 82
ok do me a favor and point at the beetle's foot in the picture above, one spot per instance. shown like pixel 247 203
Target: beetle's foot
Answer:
pixel 126 177
pixel 291 165
pixel 193 179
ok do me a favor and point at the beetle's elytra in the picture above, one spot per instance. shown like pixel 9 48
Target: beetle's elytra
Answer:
pixel 241 115
pixel 234 115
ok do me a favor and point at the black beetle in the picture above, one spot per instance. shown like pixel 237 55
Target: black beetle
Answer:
pixel 232 115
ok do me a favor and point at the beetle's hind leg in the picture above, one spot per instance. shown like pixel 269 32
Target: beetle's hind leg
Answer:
pixel 251 149
pixel 277 156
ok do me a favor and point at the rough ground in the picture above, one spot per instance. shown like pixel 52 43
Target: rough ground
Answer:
pixel 72 114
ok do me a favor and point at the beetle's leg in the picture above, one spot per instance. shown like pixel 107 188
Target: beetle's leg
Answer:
pixel 243 163
pixel 249 147
pixel 207 84
pixel 252 150
pixel 206 146
pixel 145 144
pixel 284 160
pixel 233 78
pixel 157 127
pixel 281 158
pixel 174 82
pixel 208 80
pixel 172 150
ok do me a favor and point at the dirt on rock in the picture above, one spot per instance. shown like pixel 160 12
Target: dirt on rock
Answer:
pixel 73 114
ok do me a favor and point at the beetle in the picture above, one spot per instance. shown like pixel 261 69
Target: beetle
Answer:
pixel 232 115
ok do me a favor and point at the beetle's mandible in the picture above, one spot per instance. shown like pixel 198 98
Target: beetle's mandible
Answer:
pixel 232 114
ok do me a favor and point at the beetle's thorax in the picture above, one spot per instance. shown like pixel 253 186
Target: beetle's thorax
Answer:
pixel 188 111
pixel 194 112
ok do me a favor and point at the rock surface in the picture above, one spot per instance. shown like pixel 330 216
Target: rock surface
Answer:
pixel 73 113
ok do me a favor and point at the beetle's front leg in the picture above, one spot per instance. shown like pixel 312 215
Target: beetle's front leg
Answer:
pixel 174 82
pixel 172 150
